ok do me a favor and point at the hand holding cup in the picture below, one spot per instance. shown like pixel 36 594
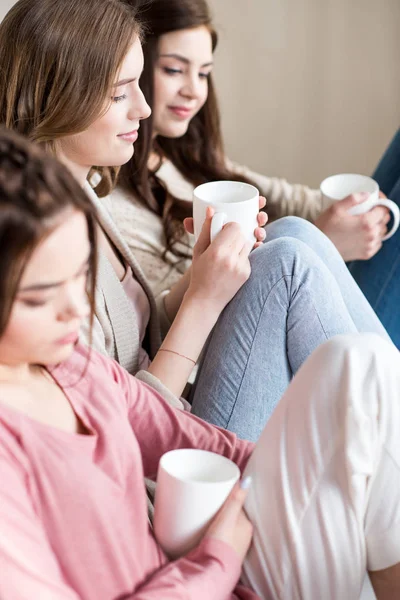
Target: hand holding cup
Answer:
pixel 356 220
pixel 192 486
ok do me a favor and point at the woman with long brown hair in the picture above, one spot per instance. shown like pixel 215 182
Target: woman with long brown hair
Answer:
pixel 70 82
pixel 78 433
pixel 180 146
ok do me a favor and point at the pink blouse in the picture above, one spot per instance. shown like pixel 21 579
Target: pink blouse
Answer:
pixel 73 512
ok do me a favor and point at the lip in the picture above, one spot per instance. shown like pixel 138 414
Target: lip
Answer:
pixel 181 111
pixel 71 338
pixel 130 137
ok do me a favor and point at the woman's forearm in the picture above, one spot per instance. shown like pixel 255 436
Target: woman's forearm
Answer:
pixel 183 344
pixel 173 301
pixel 218 271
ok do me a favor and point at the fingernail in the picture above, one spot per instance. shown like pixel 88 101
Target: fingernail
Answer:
pixel 246 483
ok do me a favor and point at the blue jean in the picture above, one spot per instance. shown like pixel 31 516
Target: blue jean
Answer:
pixel 379 277
pixel 300 293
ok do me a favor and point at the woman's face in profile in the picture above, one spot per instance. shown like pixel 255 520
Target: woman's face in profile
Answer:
pixel 109 140
pixel 181 72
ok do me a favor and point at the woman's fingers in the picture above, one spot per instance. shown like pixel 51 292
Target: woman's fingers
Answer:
pixel 260 234
pixel 378 215
pixel 203 241
pixel 231 524
pixel 383 231
pixel 262 202
pixel 262 219
pixel 188 224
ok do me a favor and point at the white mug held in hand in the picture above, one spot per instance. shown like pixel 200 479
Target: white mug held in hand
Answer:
pixel 338 187
pixel 232 201
pixel 192 485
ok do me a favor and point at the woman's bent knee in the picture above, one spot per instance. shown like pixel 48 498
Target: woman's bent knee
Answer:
pixel 291 226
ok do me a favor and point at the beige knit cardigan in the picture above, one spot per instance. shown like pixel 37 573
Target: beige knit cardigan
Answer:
pixel 115 329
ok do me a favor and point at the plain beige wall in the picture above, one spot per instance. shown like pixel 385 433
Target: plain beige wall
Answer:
pixel 5 5
pixel 308 87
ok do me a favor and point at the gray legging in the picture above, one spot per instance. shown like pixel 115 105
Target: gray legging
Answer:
pixel 300 293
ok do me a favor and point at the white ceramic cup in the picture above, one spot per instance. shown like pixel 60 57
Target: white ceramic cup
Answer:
pixel 338 187
pixel 233 201
pixel 192 485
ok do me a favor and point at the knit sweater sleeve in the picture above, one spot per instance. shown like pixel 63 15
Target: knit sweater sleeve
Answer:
pixel 284 198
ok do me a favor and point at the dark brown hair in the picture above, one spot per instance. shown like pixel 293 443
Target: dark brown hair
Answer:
pixel 58 62
pixel 199 154
pixel 35 191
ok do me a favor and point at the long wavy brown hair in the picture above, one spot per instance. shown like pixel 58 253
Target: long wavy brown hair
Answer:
pixel 58 62
pixel 35 192
pixel 199 154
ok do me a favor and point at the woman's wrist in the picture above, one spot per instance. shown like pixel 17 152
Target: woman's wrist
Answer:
pixel 204 308
pixel 184 342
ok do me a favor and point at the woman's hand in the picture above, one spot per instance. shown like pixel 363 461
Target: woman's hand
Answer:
pixel 219 269
pixel 231 524
pixel 262 218
pixel 259 232
pixel 357 237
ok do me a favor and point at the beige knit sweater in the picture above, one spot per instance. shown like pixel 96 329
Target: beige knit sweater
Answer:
pixel 143 230
pixel 115 330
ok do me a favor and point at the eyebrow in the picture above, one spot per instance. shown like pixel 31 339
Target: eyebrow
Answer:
pixel 48 286
pixel 184 59
pixel 127 80
pixel 124 82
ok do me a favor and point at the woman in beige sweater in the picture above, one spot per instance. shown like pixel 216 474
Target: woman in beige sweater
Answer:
pixel 180 146
pixel 69 80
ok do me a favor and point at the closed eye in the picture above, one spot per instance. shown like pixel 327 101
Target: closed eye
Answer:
pixel 117 99
pixel 170 71
pixel 34 303
pixel 38 302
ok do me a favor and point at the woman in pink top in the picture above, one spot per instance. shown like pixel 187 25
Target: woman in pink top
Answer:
pixel 78 434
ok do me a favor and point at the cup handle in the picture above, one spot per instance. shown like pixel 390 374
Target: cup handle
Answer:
pixel 217 223
pixel 392 206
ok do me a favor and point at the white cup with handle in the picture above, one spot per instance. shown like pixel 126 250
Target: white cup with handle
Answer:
pixel 233 201
pixel 192 485
pixel 338 187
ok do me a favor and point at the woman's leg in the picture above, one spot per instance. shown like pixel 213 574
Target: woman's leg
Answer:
pixel 379 277
pixel 291 304
pixel 387 173
pixel 354 299
pixel 325 497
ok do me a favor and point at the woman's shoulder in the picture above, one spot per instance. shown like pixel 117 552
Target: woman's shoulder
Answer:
pixel 175 182
pixel 134 219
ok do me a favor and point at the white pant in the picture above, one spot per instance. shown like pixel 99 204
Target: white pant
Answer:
pixel 325 498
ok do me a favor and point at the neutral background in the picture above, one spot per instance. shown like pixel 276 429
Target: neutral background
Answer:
pixel 5 5
pixel 307 87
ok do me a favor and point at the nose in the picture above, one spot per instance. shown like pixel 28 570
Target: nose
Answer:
pixel 139 109
pixel 191 87
pixel 75 303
